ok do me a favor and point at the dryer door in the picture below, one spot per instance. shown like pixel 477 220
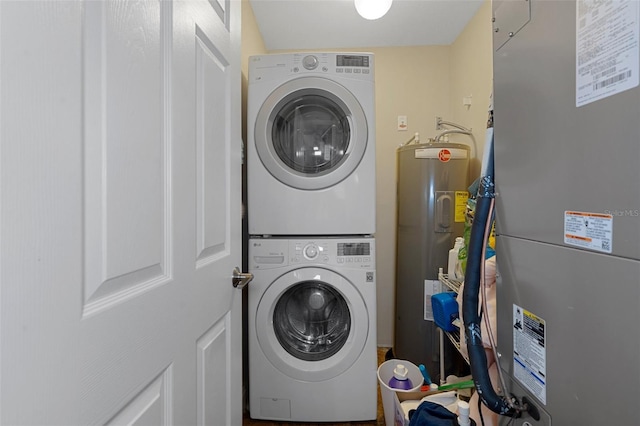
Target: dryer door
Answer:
pixel 311 133
pixel 312 324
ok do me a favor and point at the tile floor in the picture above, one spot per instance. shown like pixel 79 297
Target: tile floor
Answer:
pixel 378 422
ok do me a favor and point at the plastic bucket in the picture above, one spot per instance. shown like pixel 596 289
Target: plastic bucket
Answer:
pixel 385 373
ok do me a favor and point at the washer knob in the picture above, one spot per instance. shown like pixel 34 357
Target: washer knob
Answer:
pixel 310 62
pixel 311 251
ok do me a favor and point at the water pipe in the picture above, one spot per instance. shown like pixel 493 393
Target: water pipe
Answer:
pixel 440 122
pixel 458 129
pixel 414 139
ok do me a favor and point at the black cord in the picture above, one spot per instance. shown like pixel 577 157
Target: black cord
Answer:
pixel 480 411
pixel 480 315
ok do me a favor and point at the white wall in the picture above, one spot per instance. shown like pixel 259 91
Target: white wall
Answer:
pixel 421 82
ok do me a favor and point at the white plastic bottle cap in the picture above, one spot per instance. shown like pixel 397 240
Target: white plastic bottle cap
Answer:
pixel 463 408
pixel 400 372
pixel 463 413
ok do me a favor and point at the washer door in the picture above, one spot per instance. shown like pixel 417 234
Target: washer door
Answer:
pixel 311 133
pixel 312 324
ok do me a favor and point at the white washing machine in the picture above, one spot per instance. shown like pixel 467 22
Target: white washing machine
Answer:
pixel 311 144
pixel 312 329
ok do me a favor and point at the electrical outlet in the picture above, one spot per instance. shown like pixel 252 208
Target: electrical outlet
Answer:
pixel 402 123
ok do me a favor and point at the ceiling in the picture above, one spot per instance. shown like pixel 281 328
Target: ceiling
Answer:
pixel 321 24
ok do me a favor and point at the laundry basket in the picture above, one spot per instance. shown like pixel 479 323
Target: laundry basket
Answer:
pixel 385 373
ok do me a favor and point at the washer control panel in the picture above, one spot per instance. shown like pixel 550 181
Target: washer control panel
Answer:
pixel 267 253
pixel 355 253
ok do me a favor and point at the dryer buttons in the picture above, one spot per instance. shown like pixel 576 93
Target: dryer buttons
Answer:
pixel 310 62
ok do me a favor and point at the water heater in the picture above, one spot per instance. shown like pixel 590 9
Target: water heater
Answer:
pixel 433 179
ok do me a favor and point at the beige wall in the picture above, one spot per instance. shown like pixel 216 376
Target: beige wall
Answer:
pixel 421 83
pixel 252 44
pixel 471 74
pixel 411 81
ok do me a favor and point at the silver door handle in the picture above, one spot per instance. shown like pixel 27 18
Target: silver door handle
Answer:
pixel 240 279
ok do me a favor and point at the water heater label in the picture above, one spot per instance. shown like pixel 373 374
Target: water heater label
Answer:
pixel 442 154
pixel 530 352
pixel 607 48
pixel 431 287
pixel 461 206
pixel 591 231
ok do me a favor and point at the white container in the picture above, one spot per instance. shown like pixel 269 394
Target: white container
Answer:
pixel 453 257
pixel 385 373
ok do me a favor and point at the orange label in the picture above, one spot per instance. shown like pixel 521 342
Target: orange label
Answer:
pixel 444 155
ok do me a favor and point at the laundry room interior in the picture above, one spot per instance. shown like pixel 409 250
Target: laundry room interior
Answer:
pixel 415 85
pixel 304 212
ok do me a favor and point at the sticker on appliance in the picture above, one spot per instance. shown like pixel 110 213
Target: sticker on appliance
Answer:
pixel 442 154
pixel 431 287
pixel 529 352
pixel 607 48
pixel 593 231
pixel 461 206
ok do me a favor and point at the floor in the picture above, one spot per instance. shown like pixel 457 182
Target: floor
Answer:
pixel 382 352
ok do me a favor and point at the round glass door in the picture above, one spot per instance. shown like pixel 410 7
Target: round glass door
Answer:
pixel 312 321
pixel 312 324
pixel 311 133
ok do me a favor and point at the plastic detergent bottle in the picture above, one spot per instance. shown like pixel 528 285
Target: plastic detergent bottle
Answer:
pixel 453 257
pixel 400 379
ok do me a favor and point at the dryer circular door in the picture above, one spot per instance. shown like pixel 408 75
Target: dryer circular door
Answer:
pixel 311 133
pixel 312 324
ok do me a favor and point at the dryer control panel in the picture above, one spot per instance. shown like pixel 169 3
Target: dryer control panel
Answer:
pixel 348 65
pixel 267 253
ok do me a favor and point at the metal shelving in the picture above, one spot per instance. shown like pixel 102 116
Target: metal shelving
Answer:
pixel 453 285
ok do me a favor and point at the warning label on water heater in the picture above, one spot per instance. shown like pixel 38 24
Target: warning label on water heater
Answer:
pixel 431 287
pixel 529 352
pixel 460 211
pixel 588 230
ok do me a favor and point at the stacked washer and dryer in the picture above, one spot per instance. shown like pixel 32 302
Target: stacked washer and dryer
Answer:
pixel 311 209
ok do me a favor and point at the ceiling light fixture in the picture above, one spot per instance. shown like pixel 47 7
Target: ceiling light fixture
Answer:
pixel 372 9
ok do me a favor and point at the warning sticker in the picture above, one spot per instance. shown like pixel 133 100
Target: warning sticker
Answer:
pixel 592 231
pixel 607 46
pixel 529 352
pixel 431 287
pixel 461 205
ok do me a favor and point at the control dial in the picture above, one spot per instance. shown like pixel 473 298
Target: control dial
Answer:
pixel 310 62
pixel 311 251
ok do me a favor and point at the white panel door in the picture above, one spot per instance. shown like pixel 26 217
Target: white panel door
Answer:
pixel 120 159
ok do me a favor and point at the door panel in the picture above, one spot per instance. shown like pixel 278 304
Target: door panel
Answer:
pixel 213 111
pixel 213 382
pixel 120 161
pixel 126 187
pixel 150 407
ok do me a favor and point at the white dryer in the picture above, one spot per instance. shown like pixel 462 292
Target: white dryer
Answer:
pixel 312 329
pixel 311 144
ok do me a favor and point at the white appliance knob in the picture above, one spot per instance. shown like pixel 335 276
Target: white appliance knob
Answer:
pixel 310 62
pixel 311 251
